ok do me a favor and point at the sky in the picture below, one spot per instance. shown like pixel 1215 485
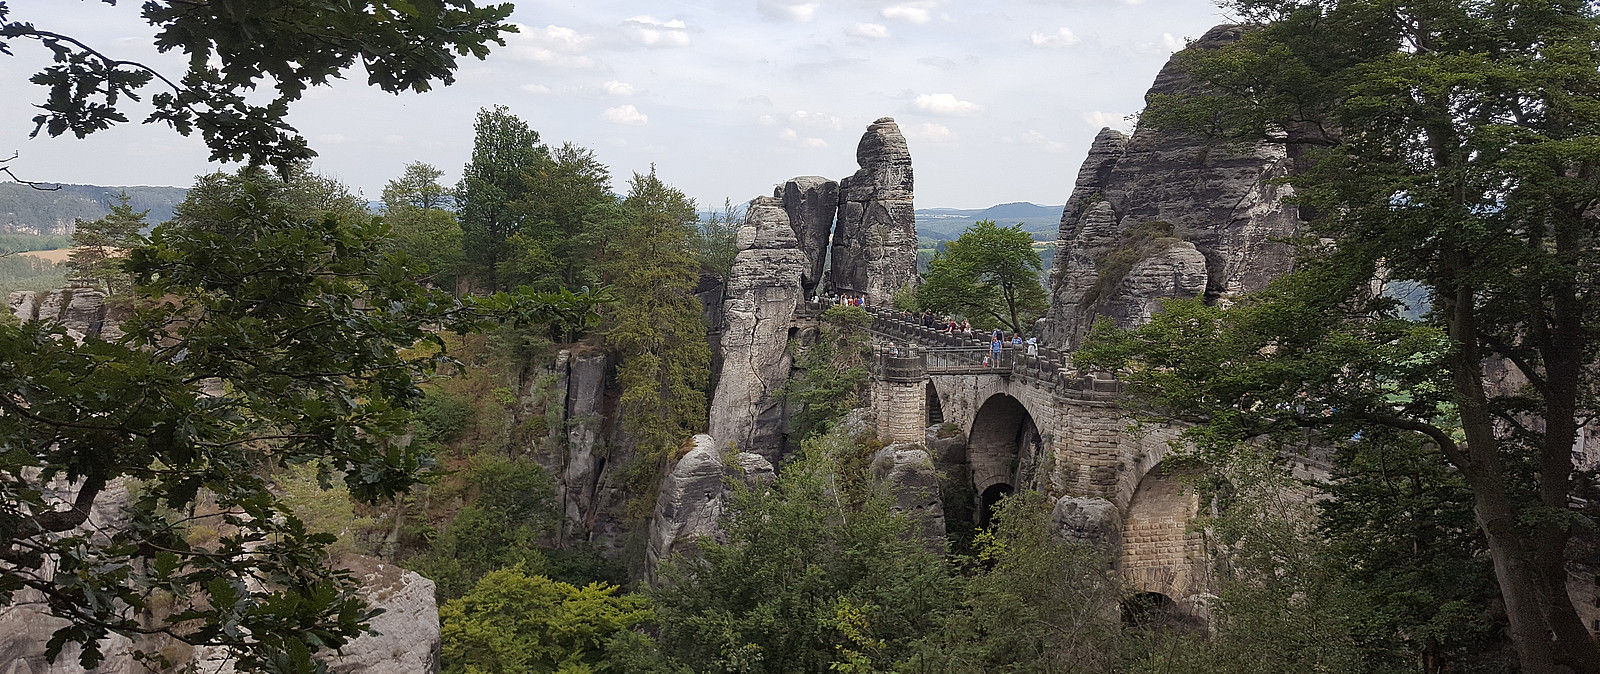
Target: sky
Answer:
pixel 999 99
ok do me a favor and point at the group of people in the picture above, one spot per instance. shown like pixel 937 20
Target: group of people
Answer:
pixel 997 340
pixel 838 299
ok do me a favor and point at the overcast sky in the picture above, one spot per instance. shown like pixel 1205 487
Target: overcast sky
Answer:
pixel 998 98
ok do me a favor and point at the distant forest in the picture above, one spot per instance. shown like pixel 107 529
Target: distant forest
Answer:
pixel 24 209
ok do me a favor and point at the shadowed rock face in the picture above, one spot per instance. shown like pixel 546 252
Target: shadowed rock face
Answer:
pixel 763 293
pixel 811 202
pixel 1163 214
pixel 693 497
pixel 875 239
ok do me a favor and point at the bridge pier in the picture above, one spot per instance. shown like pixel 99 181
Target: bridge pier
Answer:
pixel 900 396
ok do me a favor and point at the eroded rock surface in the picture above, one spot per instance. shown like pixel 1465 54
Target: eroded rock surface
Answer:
pixel 81 309
pixel 763 293
pixel 1137 199
pixel 810 202
pixel 1087 520
pixel 693 497
pixel 875 240
pixel 909 474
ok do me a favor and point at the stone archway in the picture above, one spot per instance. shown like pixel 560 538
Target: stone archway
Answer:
pixel 1160 555
pixel 1003 444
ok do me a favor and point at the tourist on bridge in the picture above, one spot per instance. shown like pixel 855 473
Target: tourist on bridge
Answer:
pixel 1016 339
pixel 966 327
pixel 1033 347
pixel 994 348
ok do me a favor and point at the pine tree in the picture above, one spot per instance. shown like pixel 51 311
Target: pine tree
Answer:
pixel 100 244
pixel 655 322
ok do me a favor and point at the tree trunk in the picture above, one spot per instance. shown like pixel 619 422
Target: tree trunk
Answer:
pixel 1531 576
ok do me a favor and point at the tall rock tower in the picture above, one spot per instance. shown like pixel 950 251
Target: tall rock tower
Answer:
pixel 875 241
pixel 1163 214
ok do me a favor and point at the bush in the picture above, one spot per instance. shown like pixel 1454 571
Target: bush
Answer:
pixel 515 623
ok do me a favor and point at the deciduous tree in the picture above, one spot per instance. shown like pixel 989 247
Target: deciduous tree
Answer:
pixel 990 274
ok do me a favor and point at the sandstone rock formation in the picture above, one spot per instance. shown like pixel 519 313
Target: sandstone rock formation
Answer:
pixel 810 202
pixel 81 309
pixel 692 498
pixel 1164 214
pixel 907 471
pixel 1088 520
pixel 763 293
pixel 874 243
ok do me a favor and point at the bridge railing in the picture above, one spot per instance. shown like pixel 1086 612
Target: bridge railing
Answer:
pixel 952 352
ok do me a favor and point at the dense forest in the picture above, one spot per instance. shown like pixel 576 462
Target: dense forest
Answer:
pixel 297 383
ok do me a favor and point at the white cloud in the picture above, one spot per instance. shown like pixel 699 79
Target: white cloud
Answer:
pixel 1043 141
pixel 616 88
pixel 1099 120
pixel 626 115
pixel 536 88
pixel 913 12
pixel 1171 43
pixel 552 45
pixel 816 119
pixel 815 143
pixel 784 11
pixel 876 31
pixel 788 134
pixel 332 139
pixel 932 132
pixel 947 105
pixel 650 32
pixel 1063 37
pixel 394 139
pixel 768 120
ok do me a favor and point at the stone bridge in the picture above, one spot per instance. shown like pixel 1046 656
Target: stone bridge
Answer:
pixel 1035 422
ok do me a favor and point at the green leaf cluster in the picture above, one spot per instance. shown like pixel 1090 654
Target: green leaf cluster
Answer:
pixel 515 623
pixel 989 275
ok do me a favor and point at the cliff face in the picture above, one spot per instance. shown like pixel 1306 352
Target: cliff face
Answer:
pixel 1163 214
pixel 764 292
pixel 810 202
pixel 875 240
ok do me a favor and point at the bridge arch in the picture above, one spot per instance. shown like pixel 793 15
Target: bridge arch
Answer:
pixel 1160 554
pixel 1002 443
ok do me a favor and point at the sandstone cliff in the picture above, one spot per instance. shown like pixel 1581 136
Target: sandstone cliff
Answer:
pixel 764 292
pixel 1163 214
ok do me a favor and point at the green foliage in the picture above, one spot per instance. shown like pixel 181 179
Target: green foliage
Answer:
pixel 515 623
pixel 1033 602
pixel 716 243
pixel 17 243
pixel 552 248
pixel 655 322
pixel 232 50
pixel 504 150
pixel 817 573
pixel 25 272
pixel 47 210
pixel 441 417
pixel 100 244
pixel 832 376
pixel 511 508
pixel 990 275
pixel 302 327
pixel 1282 605
pixel 1445 151
pixel 415 206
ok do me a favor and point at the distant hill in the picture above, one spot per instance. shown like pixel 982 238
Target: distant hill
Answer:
pixel 949 223
pixel 27 210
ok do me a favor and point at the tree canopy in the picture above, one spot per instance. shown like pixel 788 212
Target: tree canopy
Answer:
pixel 1442 146
pixel 233 47
pixel 990 274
